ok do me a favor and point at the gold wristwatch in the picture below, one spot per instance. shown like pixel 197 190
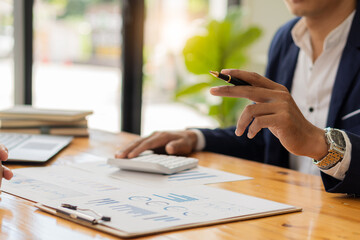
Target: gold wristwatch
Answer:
pixel 337 147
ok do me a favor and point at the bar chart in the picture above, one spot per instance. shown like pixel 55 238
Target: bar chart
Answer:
pixel 177 198
pixel 190 175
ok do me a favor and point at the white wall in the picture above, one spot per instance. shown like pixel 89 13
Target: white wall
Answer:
pixel 269 15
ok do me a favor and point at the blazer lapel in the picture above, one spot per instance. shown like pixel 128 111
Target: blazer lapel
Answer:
pixel 348 69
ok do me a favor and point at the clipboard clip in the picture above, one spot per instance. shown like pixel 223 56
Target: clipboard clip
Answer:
pixel 72 211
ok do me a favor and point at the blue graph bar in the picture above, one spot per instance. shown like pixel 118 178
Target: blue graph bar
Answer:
pixel 192 178
pixel 163 218
pixel 132 210
pixel 189 175
pixel 103 201
pixel 177 198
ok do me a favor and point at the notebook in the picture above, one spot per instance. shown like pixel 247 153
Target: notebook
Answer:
pixel 32 147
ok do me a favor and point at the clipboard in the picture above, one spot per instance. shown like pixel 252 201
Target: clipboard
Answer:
pixel 134 211
pixel 119 233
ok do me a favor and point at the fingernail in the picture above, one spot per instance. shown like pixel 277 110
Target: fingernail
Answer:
pixel 170 149
pixel 119 154
pixel 5 149
pixel 214 89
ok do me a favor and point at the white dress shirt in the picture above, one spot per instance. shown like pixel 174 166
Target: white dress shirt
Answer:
pixel 312 86
pixel 311 89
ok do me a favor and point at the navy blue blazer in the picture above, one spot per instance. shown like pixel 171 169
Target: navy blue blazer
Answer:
pixel 345 99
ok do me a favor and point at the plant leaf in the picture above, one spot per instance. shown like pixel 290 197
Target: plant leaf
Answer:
pixel 214 110
pixel 246 38
pixel 200 55
pixel 196 88
pixel 223 46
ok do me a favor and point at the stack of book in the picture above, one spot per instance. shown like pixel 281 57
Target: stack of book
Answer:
pixel 27 119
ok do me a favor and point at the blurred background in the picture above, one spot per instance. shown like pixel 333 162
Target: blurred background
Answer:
pixel 77 57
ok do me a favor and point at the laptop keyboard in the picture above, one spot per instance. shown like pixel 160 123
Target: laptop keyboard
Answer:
pixel 12 140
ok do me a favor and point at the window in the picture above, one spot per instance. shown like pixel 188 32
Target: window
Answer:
pixel 6 53
pixel 168 25
pixel 77 48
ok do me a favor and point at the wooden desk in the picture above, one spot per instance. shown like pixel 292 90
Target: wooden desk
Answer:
pixel 324 216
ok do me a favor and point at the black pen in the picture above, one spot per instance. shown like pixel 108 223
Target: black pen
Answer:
pixel 233 80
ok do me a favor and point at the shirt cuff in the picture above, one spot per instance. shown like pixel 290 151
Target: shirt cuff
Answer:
pixel 340 169
pixel 200 143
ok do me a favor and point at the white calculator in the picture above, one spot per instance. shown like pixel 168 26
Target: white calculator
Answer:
pixel 155 163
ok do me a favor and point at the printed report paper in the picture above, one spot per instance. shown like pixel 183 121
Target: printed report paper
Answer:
pixel 135 209
pixel 196 176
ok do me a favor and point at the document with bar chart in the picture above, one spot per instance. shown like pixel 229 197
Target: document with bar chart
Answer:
pixel 59 182
pixel 136 210
pixel 154 210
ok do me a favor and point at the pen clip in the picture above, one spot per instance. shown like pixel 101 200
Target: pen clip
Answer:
pixel 90 218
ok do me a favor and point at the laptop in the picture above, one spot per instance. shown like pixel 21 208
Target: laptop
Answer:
pixel 33 147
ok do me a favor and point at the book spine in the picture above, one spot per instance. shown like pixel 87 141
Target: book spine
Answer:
pixel 75 131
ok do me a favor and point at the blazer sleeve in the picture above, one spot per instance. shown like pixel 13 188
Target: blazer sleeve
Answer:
pixel 351 182
pixel 224 141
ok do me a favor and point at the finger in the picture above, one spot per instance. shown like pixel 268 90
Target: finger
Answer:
pixel 7 173
pixel 4 153
pixel 124 152
pixel 178 147
pixel 156 141
pixel 1 173
pixel 252 111
pixel 260 123
pixel 255 94
pixel 254 79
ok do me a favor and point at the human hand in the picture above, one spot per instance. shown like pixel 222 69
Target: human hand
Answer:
pixel 276 110
pixel 175 143
pixel 4 171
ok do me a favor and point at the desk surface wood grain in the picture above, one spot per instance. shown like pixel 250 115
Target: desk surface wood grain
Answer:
pixel 324 215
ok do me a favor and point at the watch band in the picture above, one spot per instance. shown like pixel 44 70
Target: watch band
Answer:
pixel 335 153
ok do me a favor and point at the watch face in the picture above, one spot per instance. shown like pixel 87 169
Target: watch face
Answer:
pixel 338 138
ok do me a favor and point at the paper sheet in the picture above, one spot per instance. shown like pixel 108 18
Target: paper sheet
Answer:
pixel 153 210
pixel 132 208
pixel 41 184
pixel 196 176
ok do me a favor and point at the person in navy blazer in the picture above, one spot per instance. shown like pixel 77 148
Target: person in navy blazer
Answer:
pixel 289 131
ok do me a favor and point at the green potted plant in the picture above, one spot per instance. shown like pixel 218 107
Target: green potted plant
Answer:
pixel 224 45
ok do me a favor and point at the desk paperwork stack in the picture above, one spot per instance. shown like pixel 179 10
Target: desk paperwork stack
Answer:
pixel 30 120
